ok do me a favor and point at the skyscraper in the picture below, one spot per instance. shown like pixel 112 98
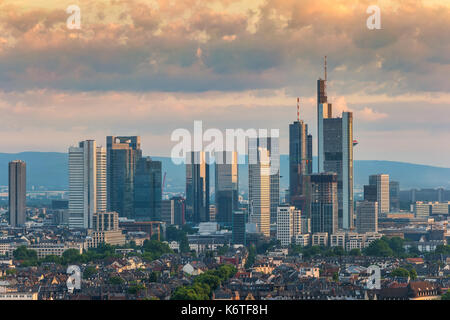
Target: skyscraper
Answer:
pixel 367 216
pixel 87 183
pixel 239 221
pixel 380 183
pixel 259 186
pixel 268 147
pixel 324 203
pixel 172 211
pixel 17 193
pixel 335 152
pixel 394 196
pixel 147 190
pixel 197 187
pixel 226 186
pixel 122 156
pixel 300 162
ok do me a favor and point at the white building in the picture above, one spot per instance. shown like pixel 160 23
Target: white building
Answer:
pixel 87 183
pixel 259 187
pixel 381 181
pixel 288 224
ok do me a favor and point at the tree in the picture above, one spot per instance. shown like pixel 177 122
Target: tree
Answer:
pixel 184 244
pixel 446 296
pixel 22 253
pixel 153 277
pixel 400 272
pixel 379 248
pixel 89 272
pixel 413 274
pixel 338 251
pixel 116 280
pixel 355 252
pixel 72 256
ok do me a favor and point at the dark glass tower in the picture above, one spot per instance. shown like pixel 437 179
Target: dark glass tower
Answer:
pixel 226 187
pixel 147 190
pixel 17 193
pixel 324 203
pixel 300 163
pixel 122 155
pixel 197 187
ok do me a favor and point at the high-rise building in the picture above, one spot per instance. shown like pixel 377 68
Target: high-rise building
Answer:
pixel 259 190
pixel 324 203
pixel 335 152
pixel 226 186
pixel 17 193
pixel 288 224
pixel 123 153
pixel 239 221
pixel 147 190
pixel 87 183
pixel 264 179
pixel 381 183
pixel 172 211
pixel 300 162
pixel 366 216
pixel 394 196
pixel 197 187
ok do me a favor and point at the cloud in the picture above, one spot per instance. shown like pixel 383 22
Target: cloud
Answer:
pixel 246 45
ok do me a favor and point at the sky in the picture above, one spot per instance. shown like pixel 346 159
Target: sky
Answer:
pixel 149 67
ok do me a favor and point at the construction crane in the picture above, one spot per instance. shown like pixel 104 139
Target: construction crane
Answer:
pixel 163 183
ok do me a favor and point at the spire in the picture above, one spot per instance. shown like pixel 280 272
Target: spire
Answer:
pixel 298 109
pixel 325 83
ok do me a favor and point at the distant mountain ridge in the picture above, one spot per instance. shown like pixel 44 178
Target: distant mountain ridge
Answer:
pixel 49 169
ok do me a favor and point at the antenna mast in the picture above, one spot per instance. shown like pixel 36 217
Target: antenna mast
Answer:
pixel 298 109
pixel 325 83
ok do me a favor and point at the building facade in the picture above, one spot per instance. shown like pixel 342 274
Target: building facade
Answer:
pixel 87 183
pixel 17 193
pixel 226 186
pixel 197 187
pixel 324 203
pixel 147 190
pixel 123 153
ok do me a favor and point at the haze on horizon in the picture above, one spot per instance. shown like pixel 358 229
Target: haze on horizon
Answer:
pixel 149 67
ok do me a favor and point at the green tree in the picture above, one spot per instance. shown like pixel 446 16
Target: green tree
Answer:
pixel 116 280
pixel 22 253
pixel 355 252
pixel 413 274
pixel 400 272
pixel 72 256
pixel 446 296
pixel 89 271
pixel 379 248
pixel 184 244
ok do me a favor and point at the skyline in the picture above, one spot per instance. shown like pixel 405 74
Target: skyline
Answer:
pixel 61 86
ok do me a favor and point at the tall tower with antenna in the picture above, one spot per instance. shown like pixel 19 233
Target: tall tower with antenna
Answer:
pixel 335 150
pixel 300 162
